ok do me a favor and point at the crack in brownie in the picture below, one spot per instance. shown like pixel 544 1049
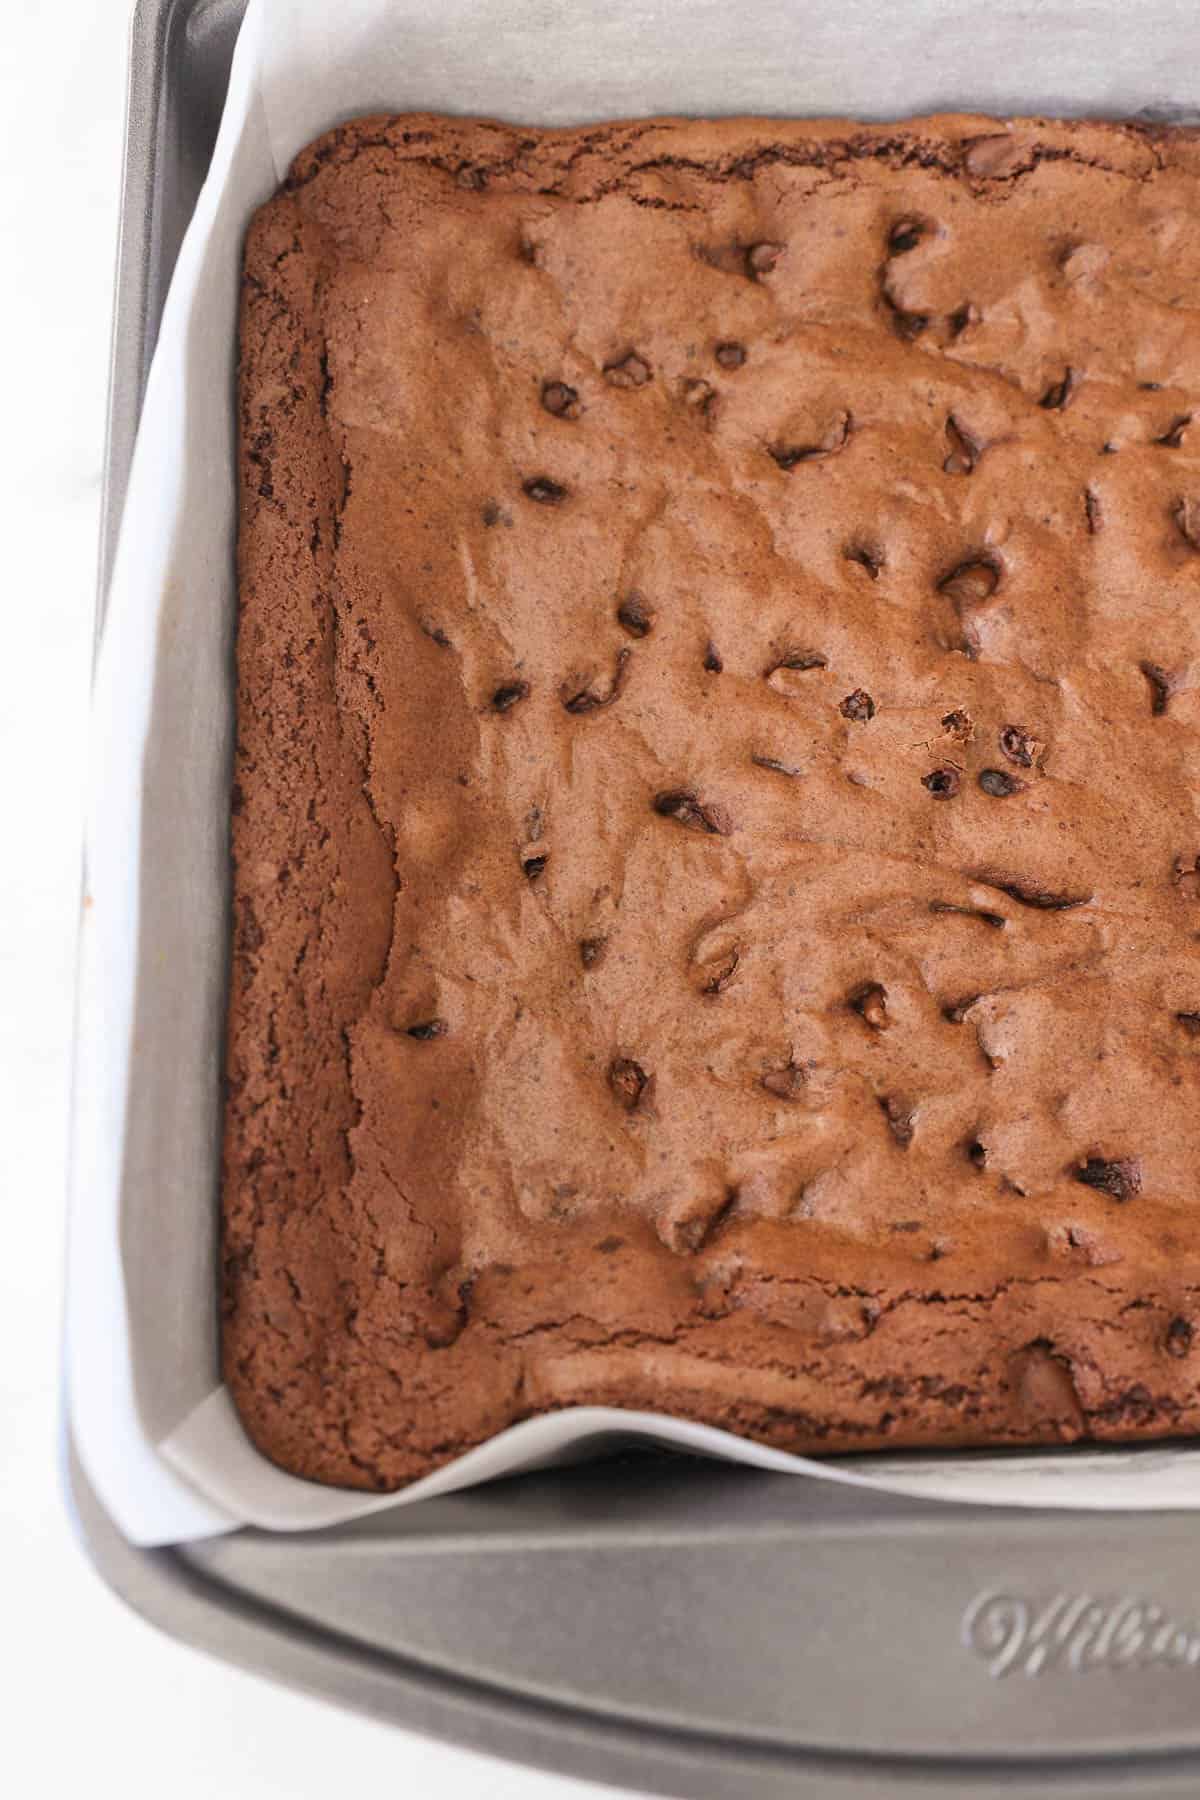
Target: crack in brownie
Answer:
pixel 716 908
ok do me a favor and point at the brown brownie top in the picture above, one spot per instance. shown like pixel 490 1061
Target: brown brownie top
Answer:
pixel 716 839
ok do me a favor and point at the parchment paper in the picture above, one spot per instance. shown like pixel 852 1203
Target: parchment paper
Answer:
pixel 155 1430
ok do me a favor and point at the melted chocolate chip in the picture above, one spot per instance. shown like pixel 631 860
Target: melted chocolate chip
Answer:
pixel 998 784
pixel 508 694
pixel 866 558
pixel 544 491
pixel 1160 687
pixel 1172 437
pixel 534 866
pixel 636 617
pixel 971 582
pixel 685 808
pixel 787 1083
pixel 799 660
pixel 587 699
pixel 1178 1340
pixel 560 400
pixel 721 973
pixel 858 707
pixel 773 763
pixel 761 259
pixel 631 371
pixel 631 1086
pixel 942 783
pixel 730 355
pixel 977 1153
pixel 591 950
pixel 1093 512
pixel 1190 1022
pixel 959 724
pixel 1120 1178
pixel 712 660
pixel 964 450
pixel 1029 894
pixel 1019 745
pixel 870 1003
pixel 1058 393
pixel 904 236
pixel 996 920
pixel 429 1028
pixel 1186 514
pixel 901 1118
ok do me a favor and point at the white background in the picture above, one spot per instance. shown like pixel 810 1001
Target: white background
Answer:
pixel 97 1703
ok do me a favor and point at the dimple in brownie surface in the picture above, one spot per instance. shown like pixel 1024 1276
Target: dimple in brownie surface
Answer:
pixel 716 924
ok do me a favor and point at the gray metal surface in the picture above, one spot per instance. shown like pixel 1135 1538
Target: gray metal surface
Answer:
pixel 678 1627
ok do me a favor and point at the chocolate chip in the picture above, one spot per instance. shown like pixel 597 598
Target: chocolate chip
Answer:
pixel 959 724
pixel 1179 1337
pixel 685 808
pixel 1120 1178
pixel 942 783
pixel 1172 437
pixel 586 699
pixel 866 558
pixel 631 371
pixel 904 236
pixel 631 1086
pixel 870 1003
pixel 971 582
pixel 858 707
pixel 964 450
pixel 1058 393
pixel 787 1083
pixel 901 1118
pixel 508 694
pixel 999 785
pixel 773 763
pixel 1186 514
pixel 591 950
pixel 1019 745
pixel 561 400
pixel 712 660
pixel 1161 687
pixel 730 355
pixel 534 866
pixel 544 491
pixel 635 615
pixel 429 1028
pixel 761 259
pixel 1190 1022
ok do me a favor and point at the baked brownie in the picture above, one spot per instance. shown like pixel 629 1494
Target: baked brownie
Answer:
pixel 717 900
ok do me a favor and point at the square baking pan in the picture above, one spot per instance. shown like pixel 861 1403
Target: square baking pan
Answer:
pixel 677 1626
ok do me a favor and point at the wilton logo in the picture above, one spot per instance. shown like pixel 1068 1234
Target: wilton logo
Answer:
pixel 1076 1632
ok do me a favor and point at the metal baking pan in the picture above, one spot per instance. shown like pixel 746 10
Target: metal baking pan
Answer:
pixel 682 1627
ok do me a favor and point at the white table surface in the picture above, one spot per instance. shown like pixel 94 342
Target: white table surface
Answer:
pixel 98 1703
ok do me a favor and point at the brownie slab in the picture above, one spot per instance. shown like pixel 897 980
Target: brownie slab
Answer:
pixel 716 906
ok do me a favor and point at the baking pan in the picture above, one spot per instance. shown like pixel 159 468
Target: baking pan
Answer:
pixel 682 1627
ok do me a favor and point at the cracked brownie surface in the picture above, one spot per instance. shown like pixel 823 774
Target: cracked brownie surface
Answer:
pixel 716 914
